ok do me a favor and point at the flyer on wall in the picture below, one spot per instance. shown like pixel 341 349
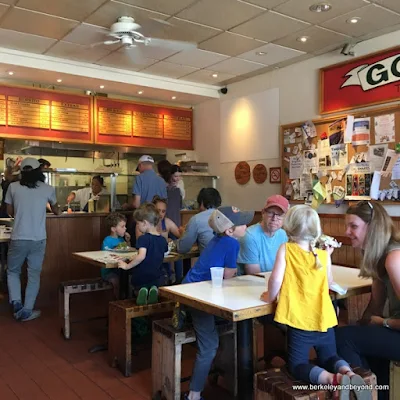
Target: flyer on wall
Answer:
pixel 384 128
pixel 361 131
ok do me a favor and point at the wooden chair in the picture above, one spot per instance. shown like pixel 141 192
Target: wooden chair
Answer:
pixel 66 289
pixel 121 313
pixel 167 354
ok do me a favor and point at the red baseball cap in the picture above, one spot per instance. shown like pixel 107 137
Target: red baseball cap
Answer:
pixel 277 201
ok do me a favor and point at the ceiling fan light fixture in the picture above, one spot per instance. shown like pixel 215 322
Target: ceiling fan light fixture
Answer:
pixel 320 7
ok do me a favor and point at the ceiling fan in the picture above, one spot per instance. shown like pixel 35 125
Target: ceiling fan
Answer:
pixel 126 32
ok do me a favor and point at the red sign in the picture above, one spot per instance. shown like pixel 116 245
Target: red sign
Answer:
pixel 126 123
pixel 373 79
pixel 45 115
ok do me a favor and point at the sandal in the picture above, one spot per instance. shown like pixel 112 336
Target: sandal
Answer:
pixel 360 388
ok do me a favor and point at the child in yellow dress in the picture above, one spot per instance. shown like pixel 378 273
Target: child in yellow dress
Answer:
pixel 300 277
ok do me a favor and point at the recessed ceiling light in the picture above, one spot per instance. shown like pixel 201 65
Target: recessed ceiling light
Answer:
pixel 214 75
pixel 353 20
pixel 302 39
pixel 261 53
pixel 101 86
pixel 140 92
pixel 10 73
pixel 320 7
pixel 173 97
pixel 59 80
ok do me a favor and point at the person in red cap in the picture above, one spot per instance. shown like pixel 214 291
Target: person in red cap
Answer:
pixel 260 245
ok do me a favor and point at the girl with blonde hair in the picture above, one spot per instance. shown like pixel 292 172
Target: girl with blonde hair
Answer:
pixel 301 277
pixel 376 340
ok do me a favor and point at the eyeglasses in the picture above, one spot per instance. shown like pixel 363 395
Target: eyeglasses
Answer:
pixel 272 214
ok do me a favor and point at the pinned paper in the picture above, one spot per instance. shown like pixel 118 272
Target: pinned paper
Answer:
pixel 340 175
pixel 376 182
pixel 330 179
pixel 338 192
pixel 300 146
pixel 328 188
pixel 390 161
pixel 295 150
pixel 348 133
pixel 333 175
pixel 287 159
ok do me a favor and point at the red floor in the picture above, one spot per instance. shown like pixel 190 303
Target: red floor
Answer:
pixel 37 363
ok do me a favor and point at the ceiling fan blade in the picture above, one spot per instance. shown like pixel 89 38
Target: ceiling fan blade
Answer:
pixel 108 42
pixel 171 44
pixel 135 54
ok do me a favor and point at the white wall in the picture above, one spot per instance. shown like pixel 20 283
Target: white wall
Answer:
pixel 298 86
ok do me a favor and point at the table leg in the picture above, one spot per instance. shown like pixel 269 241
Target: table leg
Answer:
pixel 187 264
pixel 245 359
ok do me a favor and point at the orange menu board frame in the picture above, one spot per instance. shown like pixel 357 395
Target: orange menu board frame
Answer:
pixel 40 114
pixel 127 123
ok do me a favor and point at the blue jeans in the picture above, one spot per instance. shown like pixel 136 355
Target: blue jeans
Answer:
pixel 299 345
pixel 207 346
pixel 33 252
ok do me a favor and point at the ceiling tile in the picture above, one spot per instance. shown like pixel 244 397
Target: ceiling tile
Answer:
pixel 157 53
pixel 230 44
pixel 205 76
pixel 123 60
pixel 86 34
pixel 107 14
pixel 236 66
pixel 170 70
pixel 35 23
pixel 266 3
pixel 72 9
pixel 188 31
pixel 270 26
pixel 390 4
pixel 318 39
pixel 24 42
pixel 372 18
pixel 196 58
pixel 167 7
pixel 3 9
pixel 10 2
pixel 300 9
pixel 214 13
pixel 273 54
pixel 78 52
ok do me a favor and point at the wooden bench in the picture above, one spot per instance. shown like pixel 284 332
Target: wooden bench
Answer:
pixel 121 313
pixel 276 383
pixel 68 288
pixel 167 354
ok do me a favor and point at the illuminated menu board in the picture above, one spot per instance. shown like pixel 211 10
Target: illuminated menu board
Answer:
pixel 45 115
pixel 135 124
pixel 3 108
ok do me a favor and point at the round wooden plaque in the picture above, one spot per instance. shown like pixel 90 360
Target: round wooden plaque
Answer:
pixel 242 173
pixel 260 173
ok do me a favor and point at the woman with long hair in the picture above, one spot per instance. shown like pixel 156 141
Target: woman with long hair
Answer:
pixel 376 340
pixel 26 201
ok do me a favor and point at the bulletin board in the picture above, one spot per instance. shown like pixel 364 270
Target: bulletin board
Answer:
pixel 336 164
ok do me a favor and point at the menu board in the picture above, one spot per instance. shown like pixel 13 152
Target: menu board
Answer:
pixel 115 121
pixel 3 109
pixel 28 113
pixel 177 127
pixel 135 124
pixel 147 124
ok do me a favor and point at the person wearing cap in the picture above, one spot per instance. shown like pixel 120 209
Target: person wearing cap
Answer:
pixel 84 195
pixel 148 184
pixel 229 224
pixel 26 202
pixel 260 245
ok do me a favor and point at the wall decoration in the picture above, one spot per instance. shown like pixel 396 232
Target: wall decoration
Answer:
pixel 275 175
pixel 242 173
pixel 260 173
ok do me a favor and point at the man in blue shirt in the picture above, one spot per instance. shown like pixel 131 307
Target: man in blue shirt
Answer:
pixel 148 184
pixel 259 246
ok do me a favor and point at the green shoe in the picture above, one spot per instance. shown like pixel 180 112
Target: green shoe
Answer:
pixel 141 299
pixel 153 295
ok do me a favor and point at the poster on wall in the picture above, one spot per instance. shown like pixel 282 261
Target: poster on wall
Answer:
pixel 384 128
pixel 361 131
pixel 367 80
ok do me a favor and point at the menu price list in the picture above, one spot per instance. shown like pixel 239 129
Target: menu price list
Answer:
pixel 148 125
pixel 28 112
pixel 3 109
pixel 69 116
pixel 177 128
pixel 114 121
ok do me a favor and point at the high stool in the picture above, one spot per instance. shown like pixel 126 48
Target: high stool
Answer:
pixel 167 354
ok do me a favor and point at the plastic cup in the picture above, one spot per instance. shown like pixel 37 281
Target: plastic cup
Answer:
pixel 217 275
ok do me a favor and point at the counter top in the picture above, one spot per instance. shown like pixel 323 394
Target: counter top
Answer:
pixel 80 214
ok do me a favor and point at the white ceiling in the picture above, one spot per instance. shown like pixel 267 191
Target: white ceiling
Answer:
pixel 228 33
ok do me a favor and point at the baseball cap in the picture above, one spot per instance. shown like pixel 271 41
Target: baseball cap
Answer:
pixel 277 201
pixel 226 217
pixel 146 158
pixel 30 162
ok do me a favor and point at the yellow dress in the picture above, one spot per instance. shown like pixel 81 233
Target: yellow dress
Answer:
pixel 304 301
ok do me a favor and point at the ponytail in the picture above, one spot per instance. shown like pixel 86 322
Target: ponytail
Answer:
pixel 318 264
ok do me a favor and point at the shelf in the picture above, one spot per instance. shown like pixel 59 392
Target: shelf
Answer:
pixel 65 172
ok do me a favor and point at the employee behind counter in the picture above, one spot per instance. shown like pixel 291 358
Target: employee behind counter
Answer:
pixel 83 195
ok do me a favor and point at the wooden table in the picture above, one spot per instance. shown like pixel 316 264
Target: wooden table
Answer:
pixel 237 300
